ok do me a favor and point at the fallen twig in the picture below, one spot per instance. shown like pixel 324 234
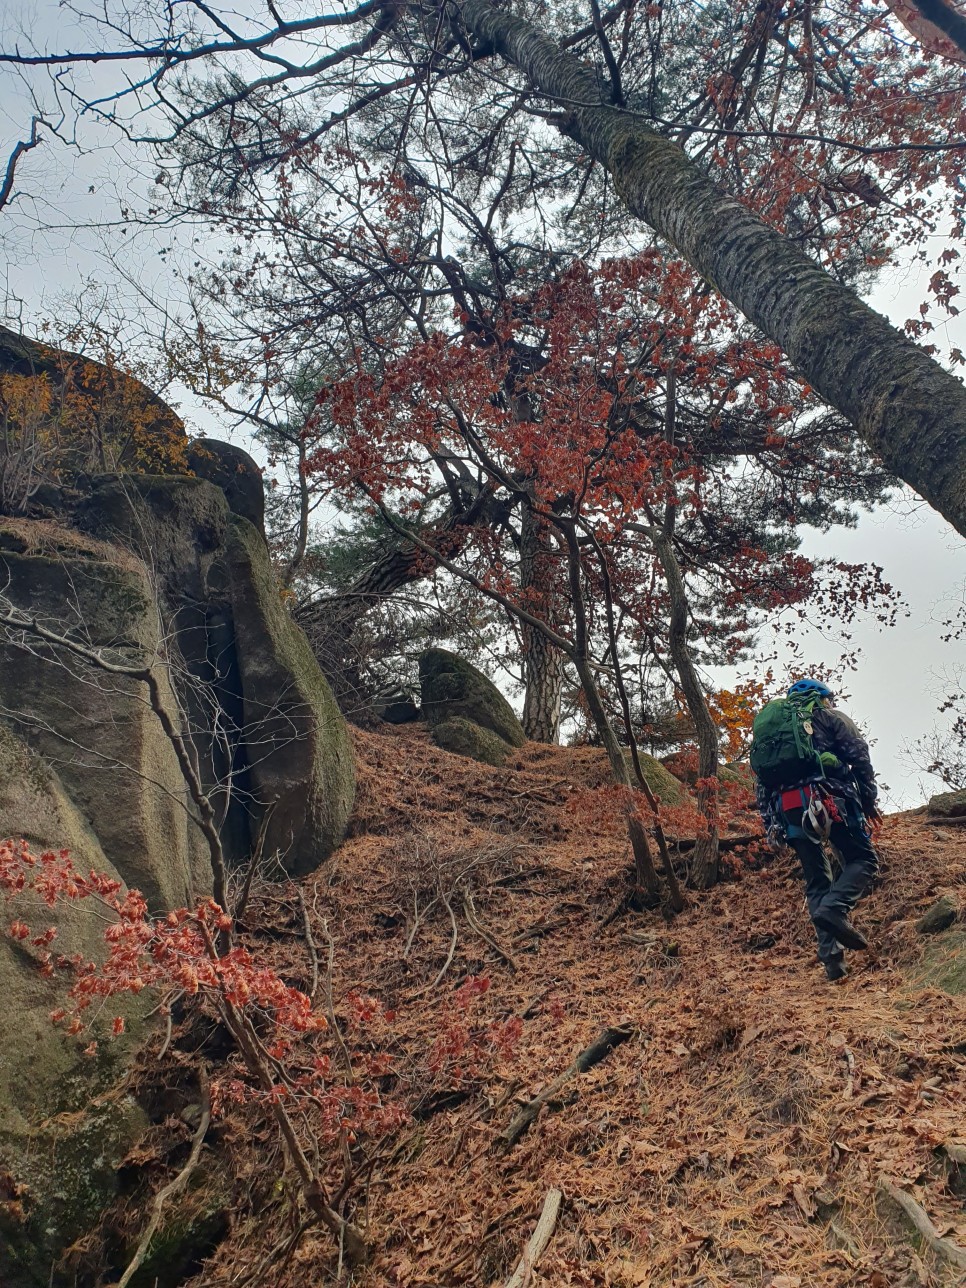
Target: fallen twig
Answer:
pixel 539 929
pixel 590 1056
pixel 310 941
pixel 407 947
pixel 513 877
pixel 850 1076
pixel 179 1182
pixel 452 946
pixel 469 910
pixel 540 792
pixel 330 999
pixel 538 1241
pixel 919 1217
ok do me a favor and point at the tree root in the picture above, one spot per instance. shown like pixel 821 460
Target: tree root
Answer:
pixel 919 1218
pixel 179 1182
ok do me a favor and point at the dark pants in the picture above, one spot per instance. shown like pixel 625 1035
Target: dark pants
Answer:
pixel 860 863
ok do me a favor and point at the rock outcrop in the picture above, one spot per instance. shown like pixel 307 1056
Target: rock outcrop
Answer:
pixel 454 691
pixel 300 759
pixel 947 805
pixel 63 1129
pixel 171 573
pixel 280 736
pixel 97 730
pixel 233 471
pixel 939 916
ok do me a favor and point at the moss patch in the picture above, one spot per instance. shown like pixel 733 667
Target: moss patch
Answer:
pixel 301 758
pixel 465 738
pixel 193 1224
pixel 69 1171
pixel 947 805
pixel 660 779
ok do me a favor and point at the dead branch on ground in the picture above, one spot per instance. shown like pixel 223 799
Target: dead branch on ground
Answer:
pixel 538 1241
pixel 598 1049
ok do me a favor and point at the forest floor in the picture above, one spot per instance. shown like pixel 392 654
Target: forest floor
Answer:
pixel 736 1134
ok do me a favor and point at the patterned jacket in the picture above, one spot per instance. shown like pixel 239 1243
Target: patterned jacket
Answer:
pixel 853 777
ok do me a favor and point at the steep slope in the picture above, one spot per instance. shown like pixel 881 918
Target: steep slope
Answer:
pixel 737 1132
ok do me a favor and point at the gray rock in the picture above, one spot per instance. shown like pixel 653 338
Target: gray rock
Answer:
pixel 939 917
pixel 289 742
pixel 106 744
pixel 85 765
pixel 235 472
pixel 300 756
pixel 451 687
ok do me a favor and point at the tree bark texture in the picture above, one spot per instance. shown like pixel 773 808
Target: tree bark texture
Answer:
pixel 901 402
pixel 542 662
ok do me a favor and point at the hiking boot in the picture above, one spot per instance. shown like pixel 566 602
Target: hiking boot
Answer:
pixel 838 924
pixel 835 969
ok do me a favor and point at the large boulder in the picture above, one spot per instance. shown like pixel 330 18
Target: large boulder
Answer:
pixel 109 748
pixel 660 778
pixel 301 762
pixel 65 1123
pixel 233 471
pixel 135 429
pixel 155 571
pixel 282 739
pixel 453 689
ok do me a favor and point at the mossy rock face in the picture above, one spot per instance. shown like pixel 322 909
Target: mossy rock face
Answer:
pixel 114 759
pixel 68 1173
pixel 301 761
pixel 660 779
pixel 944 963
pixel 738 774
pixel 58 1141
pixel 452 688
pixel 218 591
pixel 939 917
pixel 465 738
pixel 947 805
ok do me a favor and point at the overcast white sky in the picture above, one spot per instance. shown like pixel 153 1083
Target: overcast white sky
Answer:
pixel 51 247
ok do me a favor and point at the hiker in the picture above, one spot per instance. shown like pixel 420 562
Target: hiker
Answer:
pixel 815 783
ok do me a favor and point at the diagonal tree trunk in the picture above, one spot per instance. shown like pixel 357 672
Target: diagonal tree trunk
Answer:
pixel 906 407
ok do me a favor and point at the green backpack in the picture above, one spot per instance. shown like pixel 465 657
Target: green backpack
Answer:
pixel 782 752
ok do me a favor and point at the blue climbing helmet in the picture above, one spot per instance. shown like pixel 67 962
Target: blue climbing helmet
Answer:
pixel 810 689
